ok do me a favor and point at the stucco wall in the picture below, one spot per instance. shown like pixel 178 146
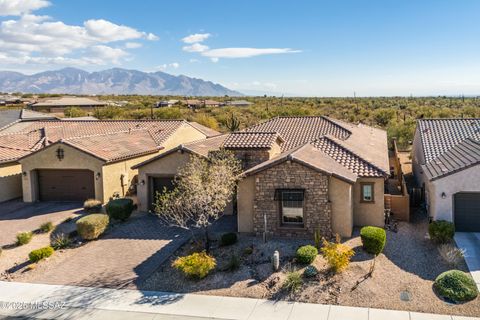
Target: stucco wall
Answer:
pixel 245 199
pixel 467 180
pixel 340 196
pixel 182 135
pixel 369 213
pixel 10 181
pixel 418 159
pixel 47 159
pixel 166 166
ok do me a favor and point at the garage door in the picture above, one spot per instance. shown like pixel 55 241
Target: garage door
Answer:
pixel 65 185
pixel 467 212
pixel 158 185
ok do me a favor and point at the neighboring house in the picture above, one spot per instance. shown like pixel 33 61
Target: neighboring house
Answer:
pixel 11 116
pixel 238 103
pixel 446 158
pixel 166 103
pixel 301 174
pixel 210 103
pixel 76 160
pixel 60 104
pixel 192 103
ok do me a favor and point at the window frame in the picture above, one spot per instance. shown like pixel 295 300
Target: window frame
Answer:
pixel 279 197
pixel 362 197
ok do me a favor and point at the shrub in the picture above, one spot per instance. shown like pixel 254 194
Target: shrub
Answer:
pixel 248 250
pixel 228 239
pixel 24 238
pixel 92 206
pixel 40 254
pixel 456 285
pixel 310 272
pixel 233 263
pixel 337 255
pixel 451 254
pixel 373 239
pixel 92 226
pixel 61 241
pixel 441 231
pixel 306 254
pixel 293 282
pixel 46 227
pixel 120 209
pixel 197 265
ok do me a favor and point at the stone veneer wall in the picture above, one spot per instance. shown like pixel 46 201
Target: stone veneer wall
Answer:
pixel 316 210
pixel 251 157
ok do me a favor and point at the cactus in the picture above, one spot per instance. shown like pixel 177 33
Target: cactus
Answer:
pixel 276 260
pixel 317 237
pixel 310 271
pixel 232 124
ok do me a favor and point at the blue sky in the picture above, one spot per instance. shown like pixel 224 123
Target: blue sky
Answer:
pixel 309 48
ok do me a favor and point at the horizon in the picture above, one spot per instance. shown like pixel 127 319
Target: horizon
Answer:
pixel 308 49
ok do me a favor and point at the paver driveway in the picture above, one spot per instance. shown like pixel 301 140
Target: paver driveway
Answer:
pixel 122 258
pixel 18 216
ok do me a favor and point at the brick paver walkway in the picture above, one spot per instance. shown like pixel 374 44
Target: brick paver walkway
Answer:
pixel 16 216
pixel 124 257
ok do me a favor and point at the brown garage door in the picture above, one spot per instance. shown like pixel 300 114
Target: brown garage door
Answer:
pixel 65 185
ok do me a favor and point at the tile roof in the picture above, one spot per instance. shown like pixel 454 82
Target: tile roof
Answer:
pixel 440 135
pixel 107 139
pixel 8 117
pixel 464 155
pixel 449 145
pixel 205 130
pixel 116 146
pixel 69 101
pixel 297 131
pixel 252 140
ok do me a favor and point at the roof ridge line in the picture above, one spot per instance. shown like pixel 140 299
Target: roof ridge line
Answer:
pixel 106 134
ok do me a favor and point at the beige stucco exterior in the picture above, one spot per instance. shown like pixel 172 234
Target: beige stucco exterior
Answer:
pixel 10 181
pixel 463 181
pixel 186 133
pixel 340 195
pixel 369 213
pixel 245 201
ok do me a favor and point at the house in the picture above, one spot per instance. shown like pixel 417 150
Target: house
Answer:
pixel 192 103
pixel 238 103
pixel 301 174
pixel 210 103
pixel 59 104
pixel 166 103
pixel 446 158
pixel 11 116
pixel 80 159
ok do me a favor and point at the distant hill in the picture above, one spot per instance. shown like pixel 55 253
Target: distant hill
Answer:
pixel 111 81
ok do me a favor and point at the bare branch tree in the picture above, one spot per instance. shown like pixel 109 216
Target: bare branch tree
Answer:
pixel 202 190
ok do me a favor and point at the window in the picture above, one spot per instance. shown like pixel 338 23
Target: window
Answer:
pixel 367 192
pixel 291 205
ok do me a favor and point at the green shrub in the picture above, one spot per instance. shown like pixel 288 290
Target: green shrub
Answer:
pixel 197 265
pixel 92 226
pixel 293 282
pixel 24 238
pixel 310 272
pixel 40 254
pixel 228 239
pixel 441 231
pixel 46 227
pixel 92 206
pixel 120 209
pixel 456 285
pixel 338 255
pixel 233 263
pixel 306 254
pixel 373 239
pixel 61 241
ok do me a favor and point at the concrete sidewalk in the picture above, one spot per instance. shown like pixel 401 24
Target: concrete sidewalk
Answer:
pixel 69 302
pixel 470 242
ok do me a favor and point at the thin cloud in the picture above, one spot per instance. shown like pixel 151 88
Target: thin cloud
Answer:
pixel 231 53
pixel 196 47
pixel 20 7
pixel 197 37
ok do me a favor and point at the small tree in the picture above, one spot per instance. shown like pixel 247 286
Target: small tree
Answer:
pixel 202 190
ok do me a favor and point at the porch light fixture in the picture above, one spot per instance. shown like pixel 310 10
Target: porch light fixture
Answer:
pixel 142 183
pixel 98 175
pixel 443 195
pixel 60 154
pixel 24 173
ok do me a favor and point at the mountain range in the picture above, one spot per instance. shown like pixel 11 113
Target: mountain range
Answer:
pixel 111 81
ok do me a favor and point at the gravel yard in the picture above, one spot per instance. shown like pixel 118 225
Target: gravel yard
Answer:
pixel 402 280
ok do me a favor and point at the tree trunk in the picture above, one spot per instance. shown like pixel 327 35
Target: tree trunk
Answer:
pixel 207 241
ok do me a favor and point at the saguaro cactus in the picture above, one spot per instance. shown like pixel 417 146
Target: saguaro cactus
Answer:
pixel 276 260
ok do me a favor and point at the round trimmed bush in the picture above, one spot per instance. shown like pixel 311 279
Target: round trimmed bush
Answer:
pixel 92 206
pixel 441 231
pixel 40 254
pixel 228 239
pixel 120 209
pixel 92 226
pixel 306 254
pixel 310 272
pixel 373 239
pixel 197 265
pixel 456 285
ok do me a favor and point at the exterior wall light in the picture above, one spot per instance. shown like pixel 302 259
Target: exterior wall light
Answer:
pixel 24 173
pixel 60 154
pixel 98 175
pixel 142 183
pixel 443 195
